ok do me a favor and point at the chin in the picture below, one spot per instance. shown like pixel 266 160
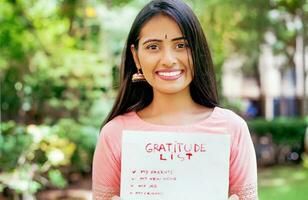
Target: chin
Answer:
pixel 170 90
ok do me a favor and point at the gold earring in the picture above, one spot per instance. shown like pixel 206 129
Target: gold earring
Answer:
pixel 138 77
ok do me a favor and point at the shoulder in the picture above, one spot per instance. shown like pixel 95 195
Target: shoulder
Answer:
pixel 112 125
pixel 232 120
pixel 229 115
pixel 116 125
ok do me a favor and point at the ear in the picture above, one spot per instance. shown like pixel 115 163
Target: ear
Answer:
pixel 135 55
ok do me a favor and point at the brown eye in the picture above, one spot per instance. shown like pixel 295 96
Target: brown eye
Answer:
pixel 181 45
pixel 152 47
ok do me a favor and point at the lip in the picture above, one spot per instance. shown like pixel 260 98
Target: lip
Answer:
pixel 177 74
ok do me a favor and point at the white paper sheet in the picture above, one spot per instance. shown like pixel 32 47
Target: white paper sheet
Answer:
pixel 174 166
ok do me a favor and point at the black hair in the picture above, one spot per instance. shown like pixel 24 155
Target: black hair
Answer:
pixel 203 90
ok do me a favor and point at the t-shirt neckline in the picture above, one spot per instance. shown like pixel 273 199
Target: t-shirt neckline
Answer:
pixel 141 121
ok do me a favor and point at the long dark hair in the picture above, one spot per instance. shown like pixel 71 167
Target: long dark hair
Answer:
pixel 136 96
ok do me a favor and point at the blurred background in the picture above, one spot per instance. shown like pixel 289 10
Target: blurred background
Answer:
pixel 59 62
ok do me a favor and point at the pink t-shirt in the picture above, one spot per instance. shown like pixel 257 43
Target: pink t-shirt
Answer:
pixel 107 157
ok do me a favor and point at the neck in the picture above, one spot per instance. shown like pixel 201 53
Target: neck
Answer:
pixel 170 104
pixel 175 109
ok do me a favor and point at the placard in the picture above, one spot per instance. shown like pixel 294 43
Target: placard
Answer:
pixel 174 166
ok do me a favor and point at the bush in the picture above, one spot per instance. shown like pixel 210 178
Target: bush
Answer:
pixel 279 141
pixel 13 142
pixel 33 157
pixel 283 130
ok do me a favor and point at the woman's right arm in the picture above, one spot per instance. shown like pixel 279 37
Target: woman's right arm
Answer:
pixel 106 169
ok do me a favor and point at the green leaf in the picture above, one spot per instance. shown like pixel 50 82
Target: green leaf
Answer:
pixel 56 178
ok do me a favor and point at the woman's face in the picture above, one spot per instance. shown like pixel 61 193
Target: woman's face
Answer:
pixel 164 56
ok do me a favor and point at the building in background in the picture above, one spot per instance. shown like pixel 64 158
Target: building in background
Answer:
pixel 279 89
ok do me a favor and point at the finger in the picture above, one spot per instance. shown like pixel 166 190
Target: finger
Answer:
pixel 233 197
pixel 115 198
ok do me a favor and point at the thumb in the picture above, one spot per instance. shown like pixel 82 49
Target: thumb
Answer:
pixel 233 197
pixel 115 198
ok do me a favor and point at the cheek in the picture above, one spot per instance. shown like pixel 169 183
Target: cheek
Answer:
pixel 187 62
pixel 189 59
pixel 190 64
pixel 148 62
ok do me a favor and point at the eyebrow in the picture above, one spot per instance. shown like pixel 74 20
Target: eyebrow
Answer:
pixel 158 40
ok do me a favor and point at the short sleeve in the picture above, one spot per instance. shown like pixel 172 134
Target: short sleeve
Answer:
pixel 106 169
pixel 243 167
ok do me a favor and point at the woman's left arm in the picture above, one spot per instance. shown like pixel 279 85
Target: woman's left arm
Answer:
pixel 243 167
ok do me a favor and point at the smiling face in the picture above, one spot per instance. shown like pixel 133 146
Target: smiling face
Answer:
pixel 164 56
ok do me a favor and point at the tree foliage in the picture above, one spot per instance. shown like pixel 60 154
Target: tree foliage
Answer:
pixel 50 60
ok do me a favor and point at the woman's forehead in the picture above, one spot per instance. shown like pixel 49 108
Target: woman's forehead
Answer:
pixel 160 27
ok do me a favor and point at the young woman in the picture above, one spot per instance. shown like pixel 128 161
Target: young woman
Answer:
pixel 168 84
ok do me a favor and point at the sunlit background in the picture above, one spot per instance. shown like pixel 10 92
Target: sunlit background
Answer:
pixel 59 62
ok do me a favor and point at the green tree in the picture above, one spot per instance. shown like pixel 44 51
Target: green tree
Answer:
pixel 49 60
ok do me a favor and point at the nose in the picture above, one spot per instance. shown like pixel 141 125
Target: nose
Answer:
pixel 168 58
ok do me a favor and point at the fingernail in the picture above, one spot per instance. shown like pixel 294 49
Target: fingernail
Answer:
pixel 234 197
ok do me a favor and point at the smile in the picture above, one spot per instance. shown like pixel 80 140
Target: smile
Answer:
pixel 169 75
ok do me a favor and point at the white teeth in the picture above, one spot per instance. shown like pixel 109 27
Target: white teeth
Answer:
pixel 169 73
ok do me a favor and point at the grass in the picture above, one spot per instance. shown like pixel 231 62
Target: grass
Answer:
pixel 283 183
